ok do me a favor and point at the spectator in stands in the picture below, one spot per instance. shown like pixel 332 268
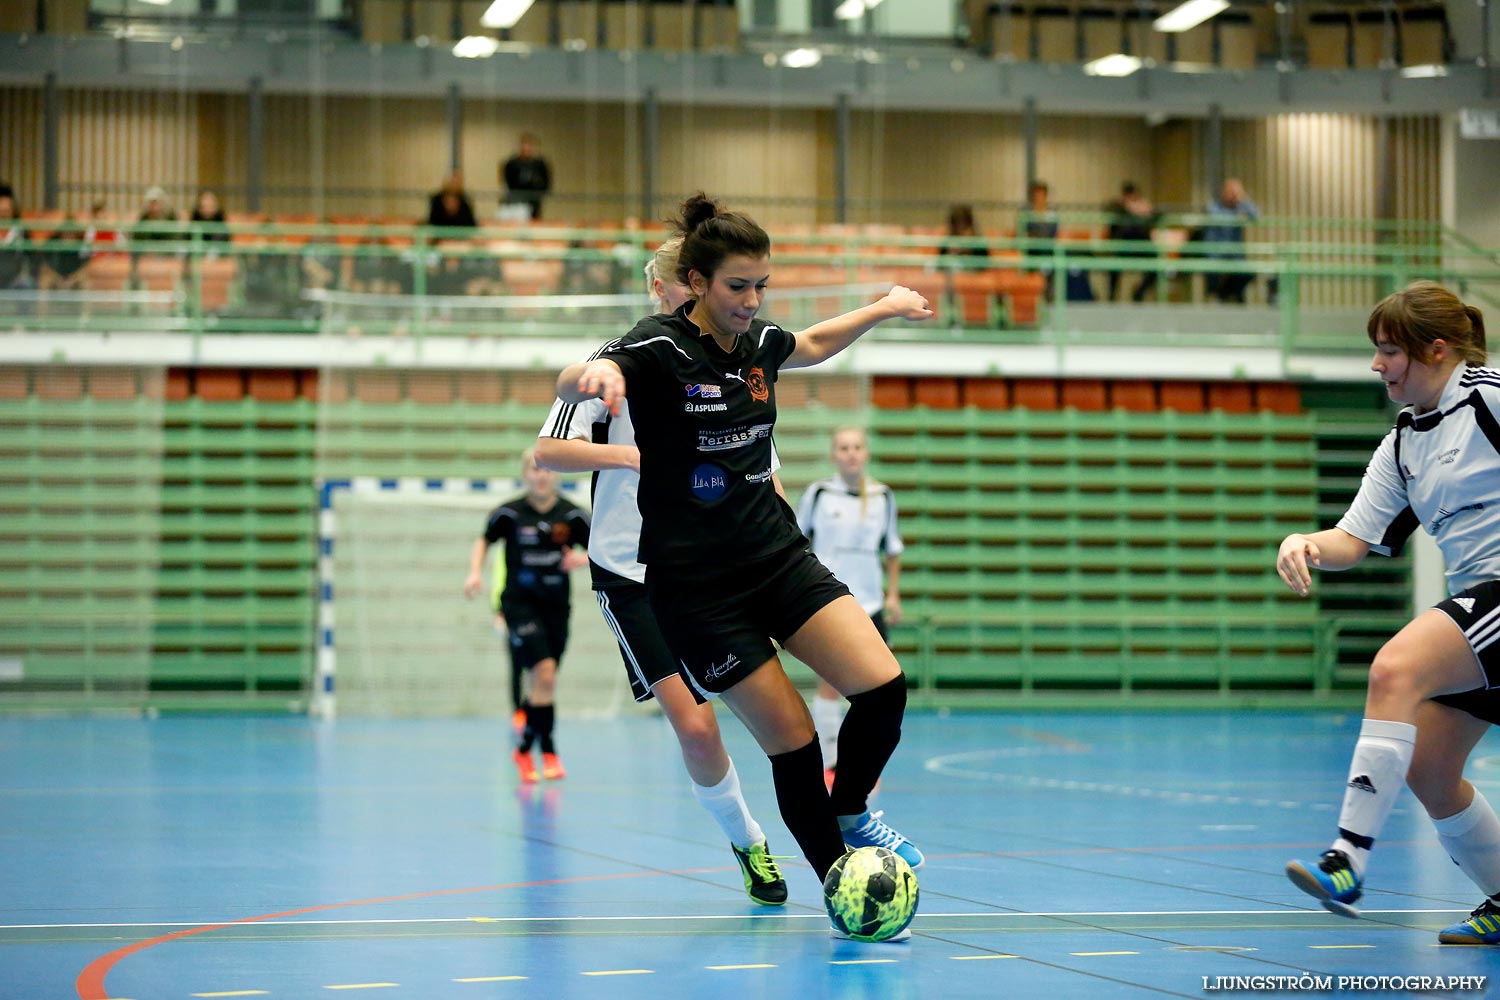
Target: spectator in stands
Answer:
pixel 154 212
pixel 526 177
pixel 962 233
pixel 1132 218
pixel 450 206
pixel 1039 222
pixel 207 209
pixel 17 269
pixel 1226 238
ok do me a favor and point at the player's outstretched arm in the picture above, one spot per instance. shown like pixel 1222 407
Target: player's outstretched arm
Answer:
pixel 1331 550
pixel 822 341
pixel 600 378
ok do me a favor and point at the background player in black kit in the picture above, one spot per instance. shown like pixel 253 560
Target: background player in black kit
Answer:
pixel 545 536
pixel 727 569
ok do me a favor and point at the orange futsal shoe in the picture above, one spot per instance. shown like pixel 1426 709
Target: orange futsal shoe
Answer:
pixel 552 768
pixel 525 766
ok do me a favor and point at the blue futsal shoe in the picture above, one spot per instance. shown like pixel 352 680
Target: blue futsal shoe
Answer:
pixel 1482 927
pixel 1331 880
pixel 869 830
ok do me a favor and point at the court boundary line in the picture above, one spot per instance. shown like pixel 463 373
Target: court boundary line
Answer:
pixel 585 918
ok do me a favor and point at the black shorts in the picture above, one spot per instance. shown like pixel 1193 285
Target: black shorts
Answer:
pixel 1477 612
pixel 719 622
pixel 538 631
pixel 879 619
pixel 648 661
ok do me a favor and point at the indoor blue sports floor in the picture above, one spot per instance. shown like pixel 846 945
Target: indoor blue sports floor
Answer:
pixel 1068 855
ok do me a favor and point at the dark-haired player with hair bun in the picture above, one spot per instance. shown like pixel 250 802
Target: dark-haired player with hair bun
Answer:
pixel 1434 688
pixel 727 570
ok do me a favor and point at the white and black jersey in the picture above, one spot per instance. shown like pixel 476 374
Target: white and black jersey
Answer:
pixel 851 532
pixel 1440 471
pixel 615 538
pixel 703 418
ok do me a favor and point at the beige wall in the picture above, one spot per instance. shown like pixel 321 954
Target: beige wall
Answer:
pixel 1327 166
pixel 380 157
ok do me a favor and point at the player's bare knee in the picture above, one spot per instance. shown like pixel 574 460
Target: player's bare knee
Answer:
pixel 1395 679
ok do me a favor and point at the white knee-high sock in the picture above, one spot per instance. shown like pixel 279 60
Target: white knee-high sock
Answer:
pixel 1377 774
pixel 828 716
pixel 727 806
pixel 1472 840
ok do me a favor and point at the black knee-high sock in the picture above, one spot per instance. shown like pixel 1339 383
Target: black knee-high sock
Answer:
pixel 539 719
pixel 528 731
pixel 515 688
pixel 868 737
pixel 798 775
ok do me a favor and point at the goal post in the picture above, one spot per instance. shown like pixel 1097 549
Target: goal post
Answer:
pixel 395 634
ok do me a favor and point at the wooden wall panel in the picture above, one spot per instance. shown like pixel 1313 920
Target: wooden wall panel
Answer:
pixel 21 152
pixel 114 144
pixel 382 157
pixel 1326 166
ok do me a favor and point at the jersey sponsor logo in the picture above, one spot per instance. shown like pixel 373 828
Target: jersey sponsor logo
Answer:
pixel 709 482
pixel 704 390
pixel 762 476
pixel 760 391
pixel 1448 457
pixel 704 407
pixel 737 437
pixel 1467 603
pixel 717 670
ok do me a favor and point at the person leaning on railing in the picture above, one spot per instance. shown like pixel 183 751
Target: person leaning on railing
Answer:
pixel 1235 208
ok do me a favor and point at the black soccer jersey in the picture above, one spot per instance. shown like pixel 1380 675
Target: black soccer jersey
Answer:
pixel 703 420
pixel 534 546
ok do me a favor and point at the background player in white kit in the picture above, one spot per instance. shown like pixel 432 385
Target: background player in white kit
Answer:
pixel 851 521
pixel 586 438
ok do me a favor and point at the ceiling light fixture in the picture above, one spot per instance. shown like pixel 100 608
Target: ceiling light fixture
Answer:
pixel 1189 15
pixel 1116 64
pixel 504 13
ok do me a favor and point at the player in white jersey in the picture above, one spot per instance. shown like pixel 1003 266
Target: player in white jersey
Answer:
pixel 587 438
pixel 851 521
pixel 1434 688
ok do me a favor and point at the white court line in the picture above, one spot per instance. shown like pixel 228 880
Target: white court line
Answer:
pixel 227 924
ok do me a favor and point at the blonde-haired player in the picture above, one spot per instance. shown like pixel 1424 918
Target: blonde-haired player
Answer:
pixel 851 521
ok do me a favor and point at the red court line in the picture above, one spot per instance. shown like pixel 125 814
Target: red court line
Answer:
pixel 90 983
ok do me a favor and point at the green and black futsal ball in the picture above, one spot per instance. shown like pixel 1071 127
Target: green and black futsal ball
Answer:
pixel 870 894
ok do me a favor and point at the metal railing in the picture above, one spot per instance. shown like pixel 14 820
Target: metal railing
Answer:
pixel 1299 294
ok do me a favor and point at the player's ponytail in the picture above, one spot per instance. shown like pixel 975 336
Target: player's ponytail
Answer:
pixel 1476 320
pixel 710 234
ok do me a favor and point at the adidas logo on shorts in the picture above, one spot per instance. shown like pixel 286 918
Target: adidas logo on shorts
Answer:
pixel 1363 783
pixel 1467 603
